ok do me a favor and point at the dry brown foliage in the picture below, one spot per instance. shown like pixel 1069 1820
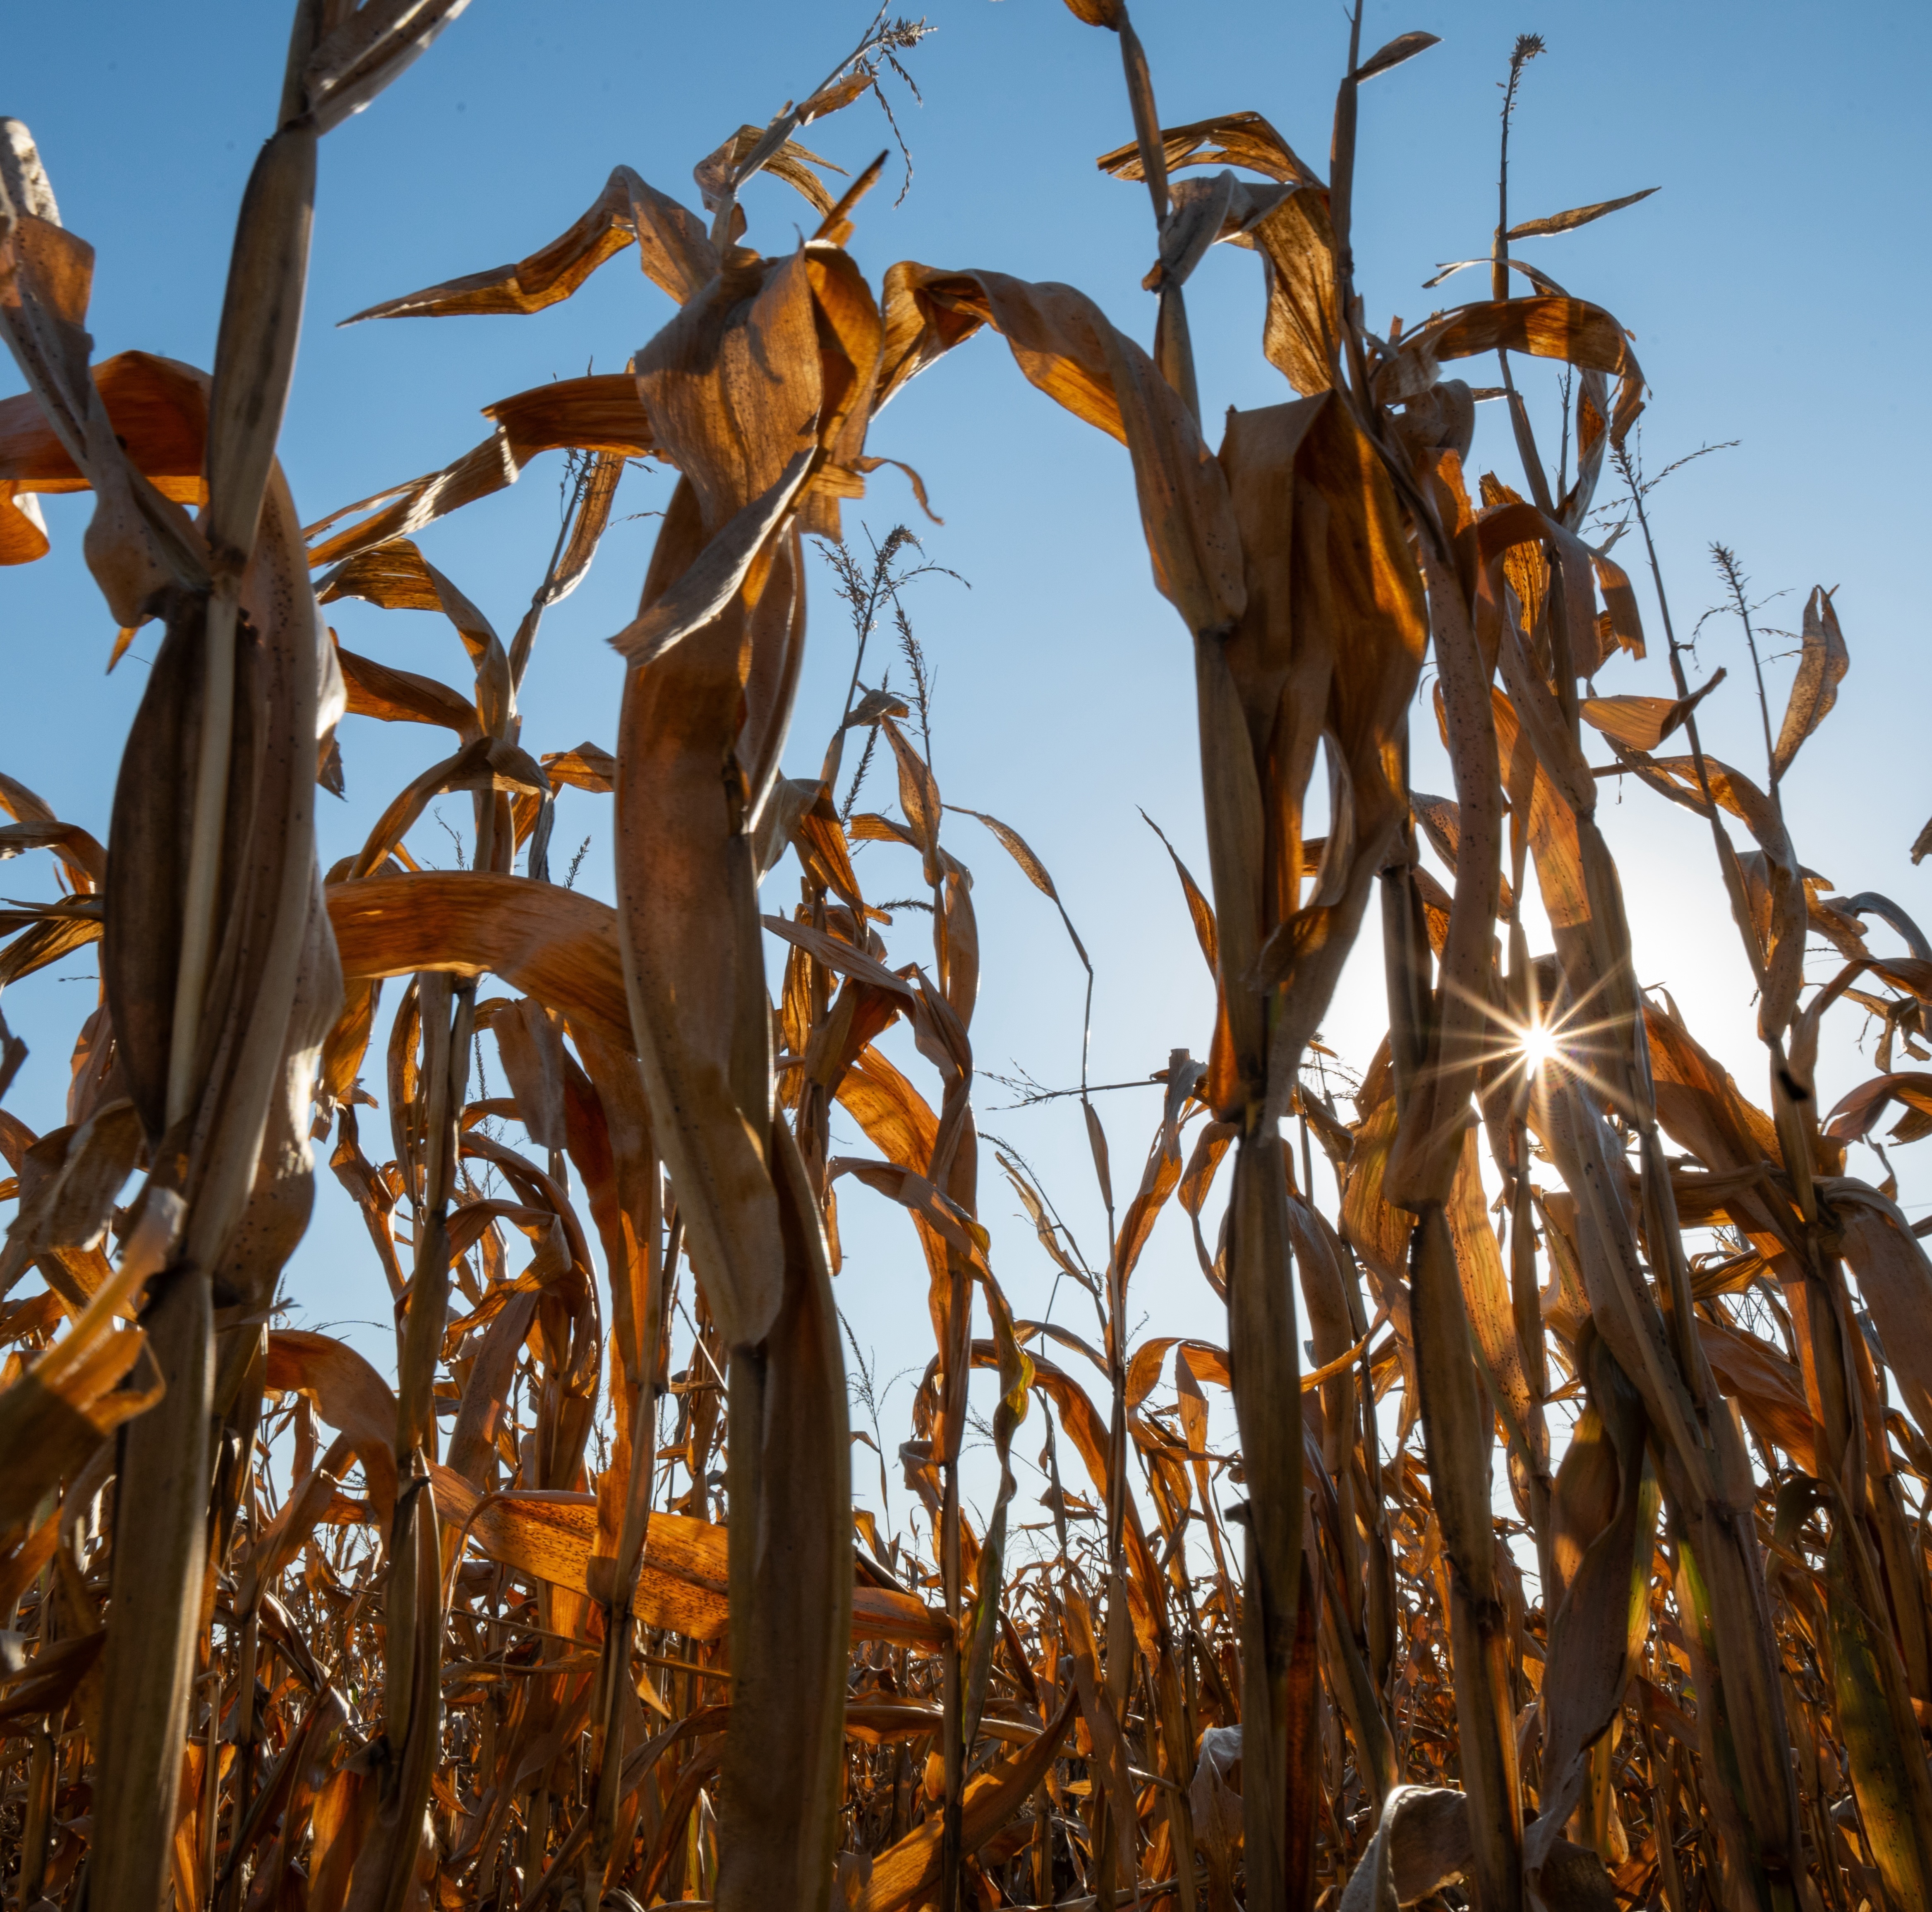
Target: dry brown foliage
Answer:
pixel 282 1637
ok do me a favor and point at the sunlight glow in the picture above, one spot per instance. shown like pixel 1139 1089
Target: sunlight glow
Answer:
pixel 1539 1045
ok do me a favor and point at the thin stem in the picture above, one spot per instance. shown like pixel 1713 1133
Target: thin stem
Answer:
pixel 1726 855
pixel 1528 46
pixel 524 642
pixel 1341 204
pixel 875 38
pixel 1727 562
pixel 1567 388
pixel 1028 1097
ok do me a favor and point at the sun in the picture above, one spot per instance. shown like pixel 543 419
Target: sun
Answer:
pixel 1539 1045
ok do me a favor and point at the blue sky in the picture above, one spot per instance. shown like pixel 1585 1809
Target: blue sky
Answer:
pixel 1773 286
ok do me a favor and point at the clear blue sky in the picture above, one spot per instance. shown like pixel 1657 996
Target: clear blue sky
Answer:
pixel 1773 286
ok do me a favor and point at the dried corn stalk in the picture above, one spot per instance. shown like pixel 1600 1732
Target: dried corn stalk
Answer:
pixel 288 1638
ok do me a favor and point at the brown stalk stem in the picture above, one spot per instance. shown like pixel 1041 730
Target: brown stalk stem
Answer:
pixel 1499 251
pixel 1839 1435
pixel 210 1777
pixel 1174 345
pixel 1146 119
pixel 1727 564
pixel 951 1699
pixel 1526 1290
pixel 1499 283
pixel 38 1821
pixel 245 1755
pixel 1428 1141
pixel 214 745
pixel 1525 444
pixel 161 1505
pixel 1706 1476
pixel 1455 1414
pixel 1341 209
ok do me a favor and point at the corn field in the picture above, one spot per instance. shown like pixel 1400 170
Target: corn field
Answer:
pixel 1579 1559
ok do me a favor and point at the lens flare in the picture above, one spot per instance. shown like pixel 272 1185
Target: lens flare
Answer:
pixel 1539 1045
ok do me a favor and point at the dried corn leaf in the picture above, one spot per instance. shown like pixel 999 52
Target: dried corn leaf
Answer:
pixel 1822 662
pixel 673 248
pixel 1064 345
pixel 1582 334
pixel 1642 723
pixel 555 944
pixel 903 1872
pixel 1580 215
pixel 598 413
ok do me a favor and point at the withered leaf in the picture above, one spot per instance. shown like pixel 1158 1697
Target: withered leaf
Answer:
pixel 1404 47
pixel 1580 215
pixel 1822 665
